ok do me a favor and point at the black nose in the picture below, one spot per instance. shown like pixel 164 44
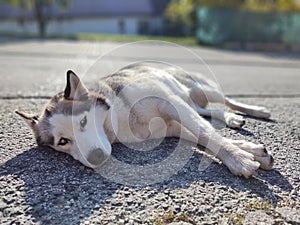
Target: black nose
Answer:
pixel 96 156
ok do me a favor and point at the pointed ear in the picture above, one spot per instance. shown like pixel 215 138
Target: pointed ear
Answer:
pixel 75 89
pixel 31 120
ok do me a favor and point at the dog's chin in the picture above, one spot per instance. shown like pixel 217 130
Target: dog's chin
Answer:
pixel 94 166
pixel 95 158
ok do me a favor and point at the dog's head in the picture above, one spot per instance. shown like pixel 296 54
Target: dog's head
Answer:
pixel 73 122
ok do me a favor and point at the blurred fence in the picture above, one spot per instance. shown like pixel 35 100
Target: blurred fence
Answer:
pixel 220 26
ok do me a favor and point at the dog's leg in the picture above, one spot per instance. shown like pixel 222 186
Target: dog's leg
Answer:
pixel 238 161
pixel 251 110
pixel 202 94
pixel 259 151
pixel 232 120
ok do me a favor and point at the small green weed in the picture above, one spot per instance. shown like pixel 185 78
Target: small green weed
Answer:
pixel 170 216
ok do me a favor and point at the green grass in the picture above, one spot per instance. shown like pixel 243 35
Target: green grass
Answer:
pixel 105 37
pixel 170 217
pixel 133 38
pixel 264 205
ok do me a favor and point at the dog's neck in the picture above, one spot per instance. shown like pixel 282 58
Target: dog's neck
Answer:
pixel 109 131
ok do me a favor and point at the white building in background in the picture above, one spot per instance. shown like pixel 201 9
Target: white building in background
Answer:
pixel 90 16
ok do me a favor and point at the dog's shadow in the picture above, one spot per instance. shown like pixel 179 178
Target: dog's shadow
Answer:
pixel 218 125
pixel 59 189
pixel 267 120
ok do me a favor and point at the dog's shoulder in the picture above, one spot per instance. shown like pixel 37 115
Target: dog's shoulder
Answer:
pixel 126 76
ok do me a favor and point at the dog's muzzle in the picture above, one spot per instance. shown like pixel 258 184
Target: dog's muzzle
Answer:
pixel 96 157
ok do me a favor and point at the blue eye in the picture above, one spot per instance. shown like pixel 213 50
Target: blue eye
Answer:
pixel 63 141
pixel 83 122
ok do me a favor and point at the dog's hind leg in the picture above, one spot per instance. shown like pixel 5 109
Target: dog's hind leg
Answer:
pixel 232 120
pixel 251 110
pixel 201 94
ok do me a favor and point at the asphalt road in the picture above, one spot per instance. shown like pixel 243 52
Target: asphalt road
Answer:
pixel 40 186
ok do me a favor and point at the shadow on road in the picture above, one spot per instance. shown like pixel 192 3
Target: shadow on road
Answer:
pixel 59 190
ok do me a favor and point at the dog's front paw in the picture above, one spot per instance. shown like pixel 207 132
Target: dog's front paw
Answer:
pixel 261 154
pixel 242 164
pixel 234 121
pixel 266 162
pixel 255 149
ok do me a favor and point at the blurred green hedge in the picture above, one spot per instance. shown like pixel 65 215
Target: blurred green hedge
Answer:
pixel 218 26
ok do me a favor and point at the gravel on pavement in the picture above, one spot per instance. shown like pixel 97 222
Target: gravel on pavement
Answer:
pixel 41 186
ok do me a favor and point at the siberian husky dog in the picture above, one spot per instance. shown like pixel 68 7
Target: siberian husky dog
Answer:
pixel 84 124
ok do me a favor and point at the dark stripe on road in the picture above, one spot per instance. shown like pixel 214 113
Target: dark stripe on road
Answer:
pixel 230 96
pixel 209 61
